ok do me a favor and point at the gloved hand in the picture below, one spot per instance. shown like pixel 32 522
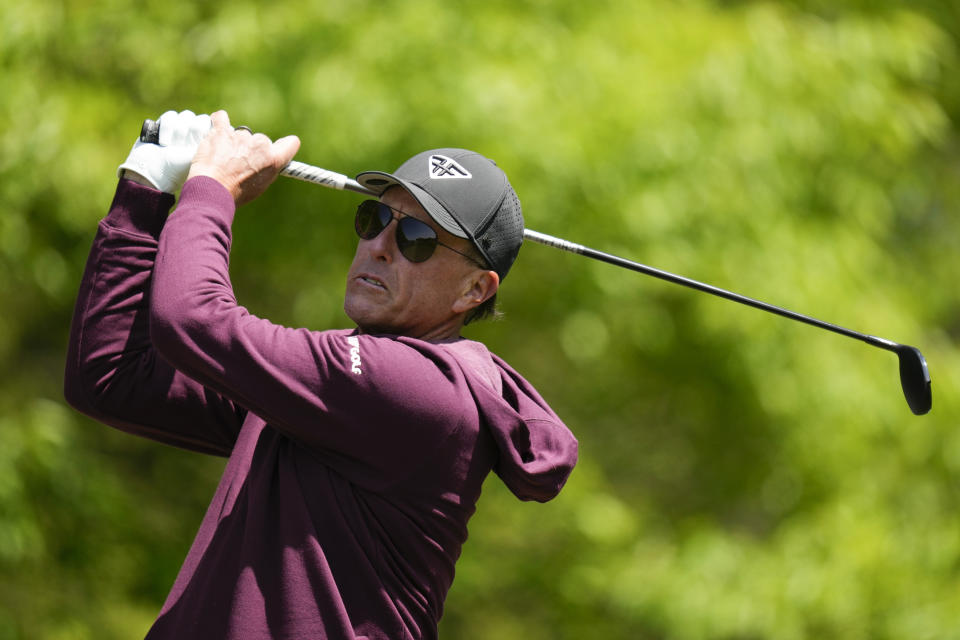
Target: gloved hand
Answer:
pixel 166 165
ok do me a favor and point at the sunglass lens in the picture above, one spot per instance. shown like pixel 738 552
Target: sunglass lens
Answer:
pixel 372 218
pixel 415 239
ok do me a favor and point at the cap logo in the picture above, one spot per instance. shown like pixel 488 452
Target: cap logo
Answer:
pixel 443 168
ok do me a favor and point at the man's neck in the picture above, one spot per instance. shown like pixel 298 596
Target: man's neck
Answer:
pixel 446 332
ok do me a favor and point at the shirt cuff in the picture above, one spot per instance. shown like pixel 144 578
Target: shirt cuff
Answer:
pixel 139 208
pixel 204 190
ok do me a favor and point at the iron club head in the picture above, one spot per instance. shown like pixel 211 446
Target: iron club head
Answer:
pixel 914 378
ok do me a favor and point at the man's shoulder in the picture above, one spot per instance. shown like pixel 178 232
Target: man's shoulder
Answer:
pixel 476 361
pixel 410 358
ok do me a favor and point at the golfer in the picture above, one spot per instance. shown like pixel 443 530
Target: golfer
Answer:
pixel 356 456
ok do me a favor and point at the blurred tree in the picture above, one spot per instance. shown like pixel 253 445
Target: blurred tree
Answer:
pixel 741 476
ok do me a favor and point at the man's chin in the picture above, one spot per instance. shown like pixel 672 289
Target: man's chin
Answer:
pixel 366 319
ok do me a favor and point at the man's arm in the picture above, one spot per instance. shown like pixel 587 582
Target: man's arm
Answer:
pixel 113 373
pixel 372 408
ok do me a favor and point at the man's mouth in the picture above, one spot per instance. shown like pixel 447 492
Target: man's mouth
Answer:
pixel 376 282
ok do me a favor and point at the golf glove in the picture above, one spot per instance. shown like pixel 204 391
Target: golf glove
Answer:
pixel 165 165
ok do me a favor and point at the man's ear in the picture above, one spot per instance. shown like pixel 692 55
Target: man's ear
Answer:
pixel 481 287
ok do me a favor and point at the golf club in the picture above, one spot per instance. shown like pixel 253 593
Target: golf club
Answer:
pixel 914 375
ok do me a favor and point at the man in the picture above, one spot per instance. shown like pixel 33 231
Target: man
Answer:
pixel 355 456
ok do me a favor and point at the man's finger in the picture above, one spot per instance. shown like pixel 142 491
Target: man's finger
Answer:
pixel 220 120
pixel 285 148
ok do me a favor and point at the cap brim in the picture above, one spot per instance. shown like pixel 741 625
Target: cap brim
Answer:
pixel 380 181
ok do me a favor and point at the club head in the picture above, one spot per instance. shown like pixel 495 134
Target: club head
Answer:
pixel 915 379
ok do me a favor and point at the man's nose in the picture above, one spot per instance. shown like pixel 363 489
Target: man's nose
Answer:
pixel 384 245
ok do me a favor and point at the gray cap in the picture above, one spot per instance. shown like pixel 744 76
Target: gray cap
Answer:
pixel 467 195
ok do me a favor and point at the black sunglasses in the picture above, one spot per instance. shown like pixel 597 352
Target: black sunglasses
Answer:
pixel 416 239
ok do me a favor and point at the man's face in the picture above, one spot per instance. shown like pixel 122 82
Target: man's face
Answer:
pixel 386 293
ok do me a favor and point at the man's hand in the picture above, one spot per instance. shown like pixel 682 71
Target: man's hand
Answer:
pixel 246 164
pixel 165 165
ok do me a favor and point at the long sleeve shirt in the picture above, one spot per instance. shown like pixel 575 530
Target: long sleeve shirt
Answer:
pixel 355 460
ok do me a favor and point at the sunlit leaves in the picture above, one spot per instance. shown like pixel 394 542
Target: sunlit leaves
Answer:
pixel 741 475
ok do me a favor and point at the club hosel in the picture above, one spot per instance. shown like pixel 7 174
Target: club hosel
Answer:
pixel 883 343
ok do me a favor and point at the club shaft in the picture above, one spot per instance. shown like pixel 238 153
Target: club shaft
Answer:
pixel 334 180
pixel 316 175
pixel 914 376
pixel 587 252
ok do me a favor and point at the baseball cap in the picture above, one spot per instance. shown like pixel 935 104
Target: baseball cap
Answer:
pixel 466 194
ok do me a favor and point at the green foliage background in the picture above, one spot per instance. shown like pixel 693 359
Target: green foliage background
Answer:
pixel 741 476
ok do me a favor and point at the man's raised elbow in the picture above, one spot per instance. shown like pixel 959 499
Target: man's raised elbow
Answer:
pixel 82 389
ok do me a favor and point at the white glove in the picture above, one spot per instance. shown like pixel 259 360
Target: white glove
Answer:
pixel 166 165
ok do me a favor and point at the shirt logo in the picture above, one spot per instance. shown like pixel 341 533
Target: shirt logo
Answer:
pixel 354 354
pixel 442 168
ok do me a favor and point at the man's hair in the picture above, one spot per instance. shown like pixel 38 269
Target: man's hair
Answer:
pixel 484 311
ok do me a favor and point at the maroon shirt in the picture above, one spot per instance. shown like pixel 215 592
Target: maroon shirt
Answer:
pixel 355 460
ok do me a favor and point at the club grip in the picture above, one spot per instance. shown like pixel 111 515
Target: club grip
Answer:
pixel 150 131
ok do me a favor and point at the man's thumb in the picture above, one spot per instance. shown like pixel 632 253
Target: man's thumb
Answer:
pixel 285 148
